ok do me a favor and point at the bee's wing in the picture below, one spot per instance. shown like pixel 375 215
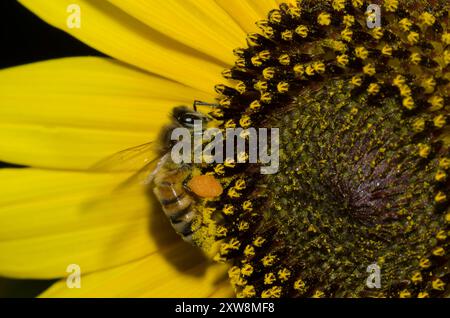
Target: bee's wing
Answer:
pixel 145 175
pixel 130 159
pixel 141 160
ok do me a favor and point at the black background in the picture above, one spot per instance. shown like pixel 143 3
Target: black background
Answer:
pixel 24 38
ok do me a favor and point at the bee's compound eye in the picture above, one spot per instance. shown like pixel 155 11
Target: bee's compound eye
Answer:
pixel 205 186
pixel 188 119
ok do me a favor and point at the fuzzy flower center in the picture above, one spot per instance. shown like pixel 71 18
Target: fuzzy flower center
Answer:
pixel 364 156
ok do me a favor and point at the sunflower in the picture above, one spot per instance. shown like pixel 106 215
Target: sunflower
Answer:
pixel 364 156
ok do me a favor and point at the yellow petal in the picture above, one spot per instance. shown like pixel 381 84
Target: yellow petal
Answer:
pixel 224 290
pixel 117 34
pixel 247 12
pixel 291 2
pixel 173 273
pixel 70 113
pixel 263 7
pixel 199 24
pixel 51 219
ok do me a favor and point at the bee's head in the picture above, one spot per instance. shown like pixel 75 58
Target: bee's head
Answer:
pixel 181 116
pixel 186 117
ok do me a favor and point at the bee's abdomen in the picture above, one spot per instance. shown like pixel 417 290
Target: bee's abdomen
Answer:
pixel 183 225
pixel 175 201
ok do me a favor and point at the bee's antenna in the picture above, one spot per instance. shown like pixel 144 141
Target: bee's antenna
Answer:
pixel 200 103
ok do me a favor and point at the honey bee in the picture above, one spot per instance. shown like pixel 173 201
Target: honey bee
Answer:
pixel 173 184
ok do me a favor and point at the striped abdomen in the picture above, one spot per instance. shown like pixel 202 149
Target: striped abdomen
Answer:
pixel 175 201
